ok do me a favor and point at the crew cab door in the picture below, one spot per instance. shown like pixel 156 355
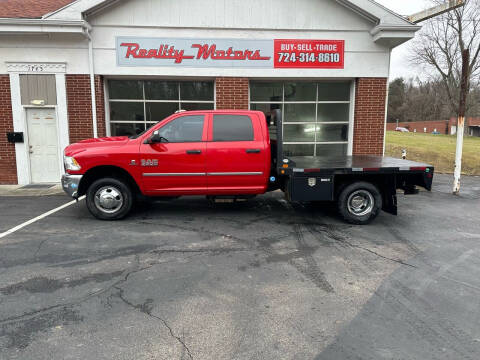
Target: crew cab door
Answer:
pixel 176 165
pixel 238 157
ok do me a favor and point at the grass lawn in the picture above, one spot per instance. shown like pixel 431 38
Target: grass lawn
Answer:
pixel 437 150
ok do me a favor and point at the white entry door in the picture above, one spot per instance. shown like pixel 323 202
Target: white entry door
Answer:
pixel 43 145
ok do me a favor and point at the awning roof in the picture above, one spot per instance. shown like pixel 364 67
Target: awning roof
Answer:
pixel 30 9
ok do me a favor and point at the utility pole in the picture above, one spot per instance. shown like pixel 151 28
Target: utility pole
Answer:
pixel 461 119
pixel 435 11
pixel 464 85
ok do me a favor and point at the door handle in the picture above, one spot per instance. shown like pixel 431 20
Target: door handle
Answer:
pixel 253 151
pixel 194 152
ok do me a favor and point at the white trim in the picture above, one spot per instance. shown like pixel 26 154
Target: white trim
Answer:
pixel 31 26
pixel 36 106
pixel 386 27
pixel 18 115
pixel 351 125
pixel 36 68
pixel 386 102
pixel 62 118
pixel 215 94
pixel 91 68
pixel 106 105
pixel 249 102
pixel 33 21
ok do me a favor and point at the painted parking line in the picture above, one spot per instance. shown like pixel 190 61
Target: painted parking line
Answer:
pixel 40 217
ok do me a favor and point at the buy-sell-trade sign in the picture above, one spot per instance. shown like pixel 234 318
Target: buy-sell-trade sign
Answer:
pixel 226 53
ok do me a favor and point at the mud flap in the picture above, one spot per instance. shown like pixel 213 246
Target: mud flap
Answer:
pixel 390 195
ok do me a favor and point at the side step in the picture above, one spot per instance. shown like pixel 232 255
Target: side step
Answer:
pixel 222 199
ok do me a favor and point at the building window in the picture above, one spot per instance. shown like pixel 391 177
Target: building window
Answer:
pixel 34 87
pixel 316 115
pixel 136 105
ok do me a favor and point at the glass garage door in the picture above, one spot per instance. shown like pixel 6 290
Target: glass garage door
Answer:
pixel 315 114
pixel 135 105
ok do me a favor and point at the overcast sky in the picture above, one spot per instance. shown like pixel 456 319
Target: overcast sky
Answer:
pixel 400 65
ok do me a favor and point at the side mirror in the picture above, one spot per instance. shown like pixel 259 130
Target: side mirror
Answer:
pixel 154 138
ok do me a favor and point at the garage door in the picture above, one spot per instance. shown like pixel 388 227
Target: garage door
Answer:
pixel 315 114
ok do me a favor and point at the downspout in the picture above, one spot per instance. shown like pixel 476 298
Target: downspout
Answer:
pixel 386 101
pixel 92 80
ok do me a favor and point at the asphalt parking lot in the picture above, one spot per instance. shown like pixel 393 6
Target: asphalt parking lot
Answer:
pixel 263 280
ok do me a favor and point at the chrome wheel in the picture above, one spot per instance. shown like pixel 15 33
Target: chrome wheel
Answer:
pixel 360 203
pixel 108 199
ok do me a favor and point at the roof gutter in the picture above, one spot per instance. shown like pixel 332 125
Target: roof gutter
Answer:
pixel 16 25
pixel 92 80
pixel 385 27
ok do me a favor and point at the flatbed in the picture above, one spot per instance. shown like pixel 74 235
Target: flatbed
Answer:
pixel 352 164
pixel 370 178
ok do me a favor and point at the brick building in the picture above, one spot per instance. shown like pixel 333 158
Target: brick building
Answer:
pixel 446 127
pixel 95 68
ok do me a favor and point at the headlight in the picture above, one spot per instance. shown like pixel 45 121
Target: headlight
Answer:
pixel 71 163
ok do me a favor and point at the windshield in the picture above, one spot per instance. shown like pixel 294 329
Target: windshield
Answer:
pixel 138 135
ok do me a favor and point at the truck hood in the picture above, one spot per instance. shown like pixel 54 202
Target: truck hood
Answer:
pixel 94 143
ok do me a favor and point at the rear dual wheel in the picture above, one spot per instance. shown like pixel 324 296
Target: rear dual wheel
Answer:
pixel 109 199
pixel 360 203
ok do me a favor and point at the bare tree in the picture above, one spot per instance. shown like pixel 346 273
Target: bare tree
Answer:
pixel 450 46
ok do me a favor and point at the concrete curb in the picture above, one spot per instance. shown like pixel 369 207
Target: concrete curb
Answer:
pixel 20 190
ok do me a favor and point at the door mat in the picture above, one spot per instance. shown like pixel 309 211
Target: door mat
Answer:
pixel 37 186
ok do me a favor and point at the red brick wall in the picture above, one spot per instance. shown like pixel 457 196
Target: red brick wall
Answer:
pixel 100 102
pixel 442 126
pixel 369 124
pixel 232 93
pixel 79 104
pixel 8 167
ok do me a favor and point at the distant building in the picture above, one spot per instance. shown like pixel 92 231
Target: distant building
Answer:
pixel 442 126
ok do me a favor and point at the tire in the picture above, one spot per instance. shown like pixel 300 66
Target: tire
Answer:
pixel 359 203
pixel 109 199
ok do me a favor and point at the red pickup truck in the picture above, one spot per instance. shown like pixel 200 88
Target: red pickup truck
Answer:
pixel 229 155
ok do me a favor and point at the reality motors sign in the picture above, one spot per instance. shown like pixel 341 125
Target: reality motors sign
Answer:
pixel 226 53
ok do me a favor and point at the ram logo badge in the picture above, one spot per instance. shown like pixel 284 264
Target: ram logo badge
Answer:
pixel 149 162
pixel 312 182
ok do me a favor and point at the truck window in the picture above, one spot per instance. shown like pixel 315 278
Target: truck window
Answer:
pixel 187 128
pixel 232 128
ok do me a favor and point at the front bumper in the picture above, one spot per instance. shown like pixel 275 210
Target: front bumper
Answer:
pixel 70 184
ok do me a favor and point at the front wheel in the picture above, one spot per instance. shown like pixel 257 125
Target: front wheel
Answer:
pixel 109 199
pixel 360 203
